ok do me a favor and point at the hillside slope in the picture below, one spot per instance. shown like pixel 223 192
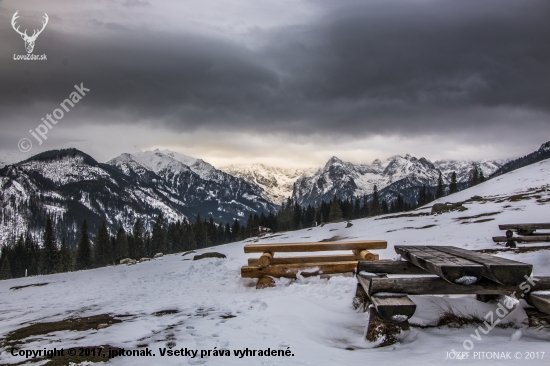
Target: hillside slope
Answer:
pixel 205 304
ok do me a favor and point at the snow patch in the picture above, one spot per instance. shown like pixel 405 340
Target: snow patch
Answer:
pixel 466 280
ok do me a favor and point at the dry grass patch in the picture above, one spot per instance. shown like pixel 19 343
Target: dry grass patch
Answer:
pixel 413 228
pixel 449 318
pixel 31 285
pixel 166 312
pixel 334 238
pixel 519 197
pixel 478 216
pixel 404 215
pixel 76 324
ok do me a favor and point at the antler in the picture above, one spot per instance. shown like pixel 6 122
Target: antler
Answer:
pixel 34 35
pixel 13 19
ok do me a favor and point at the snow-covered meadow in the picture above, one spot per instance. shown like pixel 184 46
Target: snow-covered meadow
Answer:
pixel 214 308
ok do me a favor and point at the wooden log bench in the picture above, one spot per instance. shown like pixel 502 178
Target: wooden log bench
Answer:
pixel 434 270
pixel 269 265
pixel 526 233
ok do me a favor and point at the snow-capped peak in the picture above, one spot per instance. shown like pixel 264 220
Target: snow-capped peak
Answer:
pixel 347 180
pixel 157 161
pixel 185 159
pixel 276 182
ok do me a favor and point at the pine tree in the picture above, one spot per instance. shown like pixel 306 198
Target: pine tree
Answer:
pixel 429 196
pixel 207 238
pixel 440 191
pixel 453 187
pixel 147 244
pixel 172 238
pixel 400 205
pixel 375 207
pixel 64 260
pixel 422 196
pixel 384 206
pixel 102 252
pixel 19 258
pixel 366 211
pixel 49 249
pixel 481 176
pixel 131 246
pixel 190 235
pixel 357 208
pixel 138 243
pixel 121 245
pixel 5 269
pixel 474 180
pixel 84 250
pixel 200 238
pixel 158 240
pixel 32 255
pixel 335 211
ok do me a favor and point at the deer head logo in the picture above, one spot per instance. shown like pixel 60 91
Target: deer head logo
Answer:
pixel 29 41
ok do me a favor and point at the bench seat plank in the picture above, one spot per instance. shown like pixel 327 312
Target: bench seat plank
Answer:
pixel 540 301
pixel 305 269
pixel 316 247
pixel 394 308
pixel 307 259
pixel 523 239
pixel 501 270
pixel 453 269
pixel 438 286
pixel 536 226
pixel 390 267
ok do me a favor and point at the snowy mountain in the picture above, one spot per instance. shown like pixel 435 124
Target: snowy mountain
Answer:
pixel 156 159
pixel 100 152
pixel 196 183
pixel 463 169
pixel 346 180
pixel 277 183
pixel 72 186
pixel 206 305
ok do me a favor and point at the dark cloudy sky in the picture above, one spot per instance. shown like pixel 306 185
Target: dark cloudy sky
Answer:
pixel 284 82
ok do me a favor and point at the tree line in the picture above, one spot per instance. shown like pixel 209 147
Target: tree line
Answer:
pixel 27 257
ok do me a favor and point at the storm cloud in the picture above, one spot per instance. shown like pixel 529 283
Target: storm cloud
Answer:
pixel 479 70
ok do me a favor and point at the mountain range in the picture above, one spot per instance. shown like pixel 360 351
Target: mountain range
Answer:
pixel 395 175
pixel 71 186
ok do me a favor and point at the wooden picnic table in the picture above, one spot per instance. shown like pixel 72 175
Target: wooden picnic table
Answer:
pixel 526 231
pixel 486 275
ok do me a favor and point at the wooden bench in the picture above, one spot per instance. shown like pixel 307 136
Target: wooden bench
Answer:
pixel 387 301
pixel 526 234
pixel 269 265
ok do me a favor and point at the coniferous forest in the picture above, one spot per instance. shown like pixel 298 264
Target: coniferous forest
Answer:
pixel 47 254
